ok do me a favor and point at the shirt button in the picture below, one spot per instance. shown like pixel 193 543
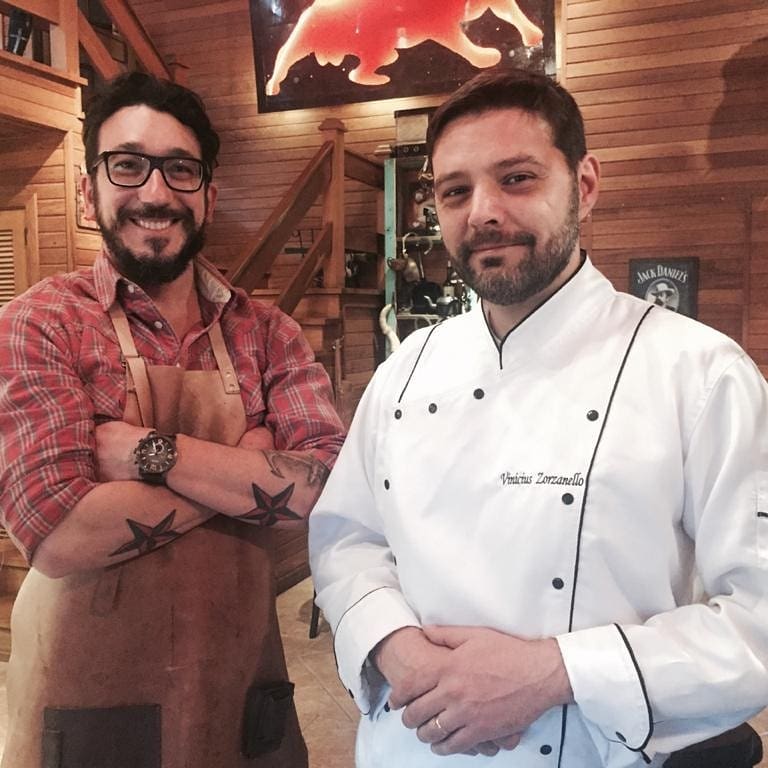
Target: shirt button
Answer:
pixel 558 583
pixel 131 288
pixel 432 408
pixel 545 749
pixel 349 691
pixel 386 485
pixel 479 394
pixel 398 414
pixel 567 498
pixel 593 415
pixel 158 325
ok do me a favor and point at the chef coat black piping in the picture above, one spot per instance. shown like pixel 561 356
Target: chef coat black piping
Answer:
pixel 418 357
pixel 338 623
pixel 643 688
pixel 584 504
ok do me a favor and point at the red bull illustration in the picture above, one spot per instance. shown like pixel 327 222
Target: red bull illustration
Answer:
pixel 374 31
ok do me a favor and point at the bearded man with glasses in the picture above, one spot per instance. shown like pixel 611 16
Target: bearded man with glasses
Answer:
pixel 156 423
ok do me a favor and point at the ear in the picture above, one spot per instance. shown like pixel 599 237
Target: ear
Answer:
pixel 86 190
pixel 588 177
pixel 211 193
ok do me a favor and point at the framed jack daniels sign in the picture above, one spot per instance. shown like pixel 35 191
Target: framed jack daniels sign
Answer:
pixel 671 283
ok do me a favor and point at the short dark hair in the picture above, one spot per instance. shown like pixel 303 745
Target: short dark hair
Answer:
pixel 135 88
pixel 510 88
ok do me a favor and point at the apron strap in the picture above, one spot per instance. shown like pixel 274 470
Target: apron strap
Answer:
pixel 223 360
pixel 136 365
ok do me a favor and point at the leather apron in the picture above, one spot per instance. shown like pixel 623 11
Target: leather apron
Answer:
pixel 159 661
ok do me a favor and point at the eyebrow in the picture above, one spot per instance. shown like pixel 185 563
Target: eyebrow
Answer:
pixel 506 163
pixel 132 146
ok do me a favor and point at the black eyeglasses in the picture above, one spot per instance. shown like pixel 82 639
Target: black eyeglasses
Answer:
pixel 132 169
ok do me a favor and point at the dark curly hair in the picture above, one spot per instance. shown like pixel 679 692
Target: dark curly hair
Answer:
pixel 135 88
pixel 511 88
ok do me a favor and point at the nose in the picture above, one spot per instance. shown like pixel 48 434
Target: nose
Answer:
pixel 486 206
pixel 155 190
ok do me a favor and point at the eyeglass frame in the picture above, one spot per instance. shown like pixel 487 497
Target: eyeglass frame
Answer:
pixel 155 162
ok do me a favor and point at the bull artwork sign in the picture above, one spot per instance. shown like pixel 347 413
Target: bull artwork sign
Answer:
pixel 311 53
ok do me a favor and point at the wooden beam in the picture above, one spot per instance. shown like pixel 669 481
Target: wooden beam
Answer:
pixel 95 49
pixel 275 232
pixel 49 10
pixel 333 203
pixel 297 287
pixel 137 38
pixel 362 169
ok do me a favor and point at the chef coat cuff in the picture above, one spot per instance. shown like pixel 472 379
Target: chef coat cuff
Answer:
pixel 378 614
pixel 608 684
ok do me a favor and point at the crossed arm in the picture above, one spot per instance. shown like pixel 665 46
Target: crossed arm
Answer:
pixel 121 518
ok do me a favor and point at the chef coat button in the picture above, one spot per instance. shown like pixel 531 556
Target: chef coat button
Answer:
pixel 398 414
pixel 479 394
pixel 593 415
pixel 386 484
pixel 558 583
pixel 386 707
pixel 158 325
pixel 545 749
pixel 621 737
pixel 349 691
pixel 432 408
pixel 567 498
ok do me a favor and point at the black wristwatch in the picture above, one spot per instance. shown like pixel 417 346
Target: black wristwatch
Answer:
pixel 155 454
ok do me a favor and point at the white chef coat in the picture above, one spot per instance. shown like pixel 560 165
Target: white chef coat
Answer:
pixel 591 479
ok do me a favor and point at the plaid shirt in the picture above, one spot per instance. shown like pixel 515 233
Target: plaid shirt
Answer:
pixel 61 373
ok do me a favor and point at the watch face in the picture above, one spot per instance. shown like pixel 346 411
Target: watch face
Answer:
pixel 156 454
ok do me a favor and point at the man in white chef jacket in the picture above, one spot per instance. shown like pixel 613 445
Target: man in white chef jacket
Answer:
pixel 545 541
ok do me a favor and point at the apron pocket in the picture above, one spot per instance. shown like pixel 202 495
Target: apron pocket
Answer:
pixel 264 719
pixel 118 737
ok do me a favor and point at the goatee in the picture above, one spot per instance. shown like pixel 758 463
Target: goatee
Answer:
pixel 537 269
pixel 153 268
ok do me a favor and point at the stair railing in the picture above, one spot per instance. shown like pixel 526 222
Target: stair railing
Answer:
pixel 323 176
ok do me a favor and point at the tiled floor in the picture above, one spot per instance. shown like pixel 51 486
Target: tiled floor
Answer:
pixel 328 716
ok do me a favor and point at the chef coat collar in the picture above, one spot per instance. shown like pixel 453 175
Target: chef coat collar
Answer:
pixel 555 321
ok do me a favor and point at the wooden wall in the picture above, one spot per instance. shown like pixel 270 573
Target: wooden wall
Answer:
pixel 36 165
pixel 675 101
pixel 674 96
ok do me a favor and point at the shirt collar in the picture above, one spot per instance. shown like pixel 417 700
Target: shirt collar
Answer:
pixel 210 282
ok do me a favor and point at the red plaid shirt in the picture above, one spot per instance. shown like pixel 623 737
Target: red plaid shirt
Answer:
pixel 61 373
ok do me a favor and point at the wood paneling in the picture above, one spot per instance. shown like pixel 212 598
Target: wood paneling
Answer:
pixel 34 164
pixel 674 100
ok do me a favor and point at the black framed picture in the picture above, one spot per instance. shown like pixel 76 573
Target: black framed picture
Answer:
pixel 672 283
pixel 312 53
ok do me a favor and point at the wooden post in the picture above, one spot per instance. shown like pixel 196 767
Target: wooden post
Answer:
pixel 333 203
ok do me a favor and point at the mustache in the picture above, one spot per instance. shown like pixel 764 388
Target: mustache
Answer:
pixel 495 237
pixel 150 211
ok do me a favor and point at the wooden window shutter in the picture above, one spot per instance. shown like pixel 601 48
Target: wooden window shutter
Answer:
pixel 13 278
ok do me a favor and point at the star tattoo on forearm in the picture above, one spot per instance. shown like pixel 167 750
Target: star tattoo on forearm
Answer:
pixel 281 462
pixel 270 509
pixel 148 537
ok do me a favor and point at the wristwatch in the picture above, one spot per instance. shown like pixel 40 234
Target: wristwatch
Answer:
pixel 155 454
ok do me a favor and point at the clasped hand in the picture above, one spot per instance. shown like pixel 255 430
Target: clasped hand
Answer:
pixel 471 689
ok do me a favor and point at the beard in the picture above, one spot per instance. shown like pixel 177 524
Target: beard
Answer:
pixel 538 268
pixel 152 268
